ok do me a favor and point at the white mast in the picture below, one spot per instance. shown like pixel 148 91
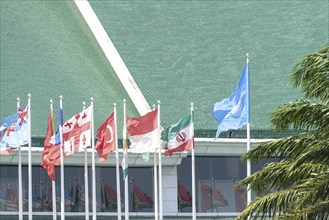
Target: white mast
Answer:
pixel 30 158
pixel 20 190
pixel 117 171
pixel 86 177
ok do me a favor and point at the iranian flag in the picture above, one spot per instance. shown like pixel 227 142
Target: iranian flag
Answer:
pixel 180 136
pixel 143 132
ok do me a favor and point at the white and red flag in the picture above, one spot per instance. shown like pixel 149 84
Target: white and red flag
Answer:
pixel 77 132
pixel 106 138
pixel 143 132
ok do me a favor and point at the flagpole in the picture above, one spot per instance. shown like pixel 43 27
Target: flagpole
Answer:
pixel 86 177
pixel 155 173
pixel 248 127
pixel 117 162
pixel 160 166
pixel 20 190
pixel 193 171
pixel 62 161
pixel 93 172
pixel 30 158
pixel 126 178
pixel 53 184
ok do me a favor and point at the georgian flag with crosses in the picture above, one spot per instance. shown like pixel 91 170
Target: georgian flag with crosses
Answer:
pixel 77 132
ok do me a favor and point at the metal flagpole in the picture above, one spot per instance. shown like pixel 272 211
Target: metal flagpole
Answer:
pixel 53 184
pixel 155 173
pixel 193 171
pixel 93 169
pixel 20 190
pixel 126 178
pixel 117 162
pixel 160 166
pixel 30 158
pixel 248 127
pixel 62 160
pixel 86 177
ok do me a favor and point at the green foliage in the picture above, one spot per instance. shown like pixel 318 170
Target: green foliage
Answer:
pixel 300 177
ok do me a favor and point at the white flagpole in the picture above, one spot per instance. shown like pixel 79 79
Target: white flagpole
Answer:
pixel 117 162
pixel 160 166
pixel 93 169
pixel 86 177
pixel 126 179
pixel 193 173
pixel 53 184
pixel 155 173
pixel 20 190
pixel 62 163
pixel 30 158
pixel 248 128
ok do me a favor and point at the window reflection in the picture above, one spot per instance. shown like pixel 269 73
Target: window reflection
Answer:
pixel 215 179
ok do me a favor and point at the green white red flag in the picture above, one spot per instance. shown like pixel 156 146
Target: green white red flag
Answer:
pixel 180 136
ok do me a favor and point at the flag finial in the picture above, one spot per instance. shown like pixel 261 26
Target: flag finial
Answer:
pixel 29 95
pixel 84 103
pixel 159 102
pixel 124 100
pixel 51 101
pixel 18 99
pixel 114 104
pixel 61 97
pixel 91 99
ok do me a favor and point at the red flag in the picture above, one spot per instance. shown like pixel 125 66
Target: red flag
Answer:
pixel 184 197
pixel 205 197
pixel 106 138
pixel 47 146
pixel 240 199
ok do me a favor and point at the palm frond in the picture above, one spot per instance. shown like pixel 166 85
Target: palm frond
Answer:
pixel 315 189
pixel 312 75
pixel 316 153
pixel 288 147
pixel 271 205
pixel 281 175
pixel 319 211
pixel 301 115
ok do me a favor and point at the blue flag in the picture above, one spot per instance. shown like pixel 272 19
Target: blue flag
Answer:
pixel 6 123
pixel 18 132
pixel 233 112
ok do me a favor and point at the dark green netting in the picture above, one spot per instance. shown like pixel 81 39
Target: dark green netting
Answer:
pixel 48 50
pixel 194 51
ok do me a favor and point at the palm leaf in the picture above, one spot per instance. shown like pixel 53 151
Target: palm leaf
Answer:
pixel 311 74
pixel 301 115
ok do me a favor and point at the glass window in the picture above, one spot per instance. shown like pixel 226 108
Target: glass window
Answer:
pixel 140 189
pixel 215 179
